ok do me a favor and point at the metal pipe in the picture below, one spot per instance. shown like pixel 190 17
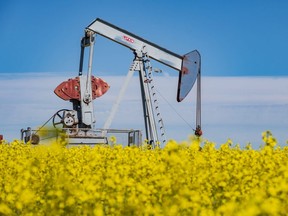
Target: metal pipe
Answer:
pixel 89 73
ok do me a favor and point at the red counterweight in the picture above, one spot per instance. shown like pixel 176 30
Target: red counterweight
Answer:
pixel 70 89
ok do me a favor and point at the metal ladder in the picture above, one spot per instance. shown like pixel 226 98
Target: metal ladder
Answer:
pixel 154 98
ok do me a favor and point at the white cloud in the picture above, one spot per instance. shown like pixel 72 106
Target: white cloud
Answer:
pixel 239 108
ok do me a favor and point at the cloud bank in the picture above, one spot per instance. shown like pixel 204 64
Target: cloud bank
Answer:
pixel 239 108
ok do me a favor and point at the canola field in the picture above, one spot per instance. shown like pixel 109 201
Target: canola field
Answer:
pixel 189 178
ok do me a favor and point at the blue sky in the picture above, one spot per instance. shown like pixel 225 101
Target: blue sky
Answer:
pixel 243 45
pixel 234 38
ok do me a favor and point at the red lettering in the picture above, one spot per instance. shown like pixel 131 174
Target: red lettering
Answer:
pixel 128 39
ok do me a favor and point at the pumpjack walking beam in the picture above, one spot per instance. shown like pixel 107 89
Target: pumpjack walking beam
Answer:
pixel 187 65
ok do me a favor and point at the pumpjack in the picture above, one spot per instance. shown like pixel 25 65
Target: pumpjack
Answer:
pixel 79 122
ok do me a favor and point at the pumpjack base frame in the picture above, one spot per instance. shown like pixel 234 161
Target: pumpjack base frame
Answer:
pixel 91 141
pixel 127 137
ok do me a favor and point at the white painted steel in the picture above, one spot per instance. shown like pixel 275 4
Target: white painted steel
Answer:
pixel 136 43
pixel 87 110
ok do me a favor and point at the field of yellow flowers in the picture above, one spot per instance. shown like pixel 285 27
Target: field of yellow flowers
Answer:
pixel 189 178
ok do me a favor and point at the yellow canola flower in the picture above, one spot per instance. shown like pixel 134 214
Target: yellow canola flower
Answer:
pixel 188 178
pixel 4 209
